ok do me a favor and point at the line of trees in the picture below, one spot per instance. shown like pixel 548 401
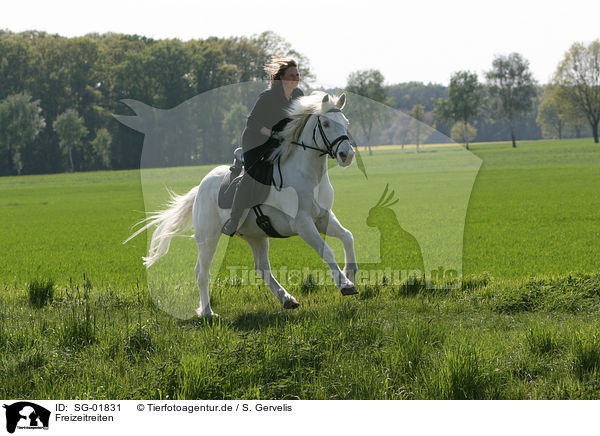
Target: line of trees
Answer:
pixel 510 101
pixel 58 95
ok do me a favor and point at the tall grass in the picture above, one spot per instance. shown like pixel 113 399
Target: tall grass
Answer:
pixel 502 334
pixel 543 340
pixel 40 292
pixel 586 354
pixel 99 344
pixel 461 376
pixel 79 328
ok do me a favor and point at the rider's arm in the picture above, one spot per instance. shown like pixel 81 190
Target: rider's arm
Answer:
pixel 259 116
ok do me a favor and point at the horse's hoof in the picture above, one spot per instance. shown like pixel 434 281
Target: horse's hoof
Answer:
pixel 349 290
pixel 291 303
pixel 209 315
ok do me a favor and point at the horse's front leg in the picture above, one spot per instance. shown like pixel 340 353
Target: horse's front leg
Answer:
pixel 331 226
pixel 260 251
pixel 306 228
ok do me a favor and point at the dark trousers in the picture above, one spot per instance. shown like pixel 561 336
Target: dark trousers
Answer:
pixel 254 187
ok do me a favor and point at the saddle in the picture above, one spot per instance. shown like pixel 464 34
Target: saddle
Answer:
pixel 227 192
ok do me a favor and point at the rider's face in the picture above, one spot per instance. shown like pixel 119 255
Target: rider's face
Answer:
pixel 290 77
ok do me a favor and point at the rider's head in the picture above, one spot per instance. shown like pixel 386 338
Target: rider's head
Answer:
pixel 283 71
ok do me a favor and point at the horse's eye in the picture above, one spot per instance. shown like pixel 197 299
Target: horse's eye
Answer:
pixel 326 124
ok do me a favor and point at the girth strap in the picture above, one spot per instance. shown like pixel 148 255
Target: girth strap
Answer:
pixel 264 223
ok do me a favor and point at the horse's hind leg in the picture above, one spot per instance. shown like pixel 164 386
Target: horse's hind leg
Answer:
pixel 206 251
pixel 260 251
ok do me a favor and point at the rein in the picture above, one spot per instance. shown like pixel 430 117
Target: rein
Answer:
pixel 328 145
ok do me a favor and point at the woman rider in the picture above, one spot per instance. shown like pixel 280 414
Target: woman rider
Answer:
pixel 267 118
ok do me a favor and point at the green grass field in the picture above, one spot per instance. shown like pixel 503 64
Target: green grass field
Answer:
pixel 523 324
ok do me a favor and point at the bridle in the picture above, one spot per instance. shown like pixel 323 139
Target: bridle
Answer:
pixel 331 148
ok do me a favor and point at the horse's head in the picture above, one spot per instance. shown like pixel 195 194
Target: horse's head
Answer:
pixel 333 128
pixel 318 123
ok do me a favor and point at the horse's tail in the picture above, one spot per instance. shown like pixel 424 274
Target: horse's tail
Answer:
pixel 172 221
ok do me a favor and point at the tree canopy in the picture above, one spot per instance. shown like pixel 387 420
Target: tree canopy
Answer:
pixel 465 95
pixel 71 130
pixel 20 123
pixel 93 73
pixel 367 84
pixel 512 88
pixel 578 80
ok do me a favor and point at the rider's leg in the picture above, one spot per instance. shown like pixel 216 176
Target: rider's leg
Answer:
pixel 249 192
pixel 242 192
pixel 252 189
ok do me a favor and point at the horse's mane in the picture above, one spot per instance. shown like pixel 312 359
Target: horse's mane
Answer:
pixel 300 111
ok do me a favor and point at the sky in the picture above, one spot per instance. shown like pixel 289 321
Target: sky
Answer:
pixel 423 41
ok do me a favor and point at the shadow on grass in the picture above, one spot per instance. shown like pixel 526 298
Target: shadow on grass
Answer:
pixel 196 323
pixel 251 321
pixel 247 321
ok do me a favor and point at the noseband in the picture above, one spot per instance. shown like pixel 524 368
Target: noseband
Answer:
pixel 331 148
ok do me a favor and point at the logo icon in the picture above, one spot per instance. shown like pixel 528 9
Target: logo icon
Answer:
pixel 26 415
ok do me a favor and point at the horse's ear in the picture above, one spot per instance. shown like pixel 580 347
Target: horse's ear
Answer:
pixel 341 102
pixel 325 98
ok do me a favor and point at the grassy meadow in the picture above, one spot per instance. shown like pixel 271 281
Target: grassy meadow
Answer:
pixel 77 318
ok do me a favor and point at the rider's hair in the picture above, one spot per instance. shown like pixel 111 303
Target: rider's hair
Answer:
pixel 278 66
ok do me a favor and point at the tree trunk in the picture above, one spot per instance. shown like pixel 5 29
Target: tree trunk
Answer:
pixel 595 131
pixel 512 135
pixel 10 162
pixel 560 129
pixel 71 159
pixel 465 134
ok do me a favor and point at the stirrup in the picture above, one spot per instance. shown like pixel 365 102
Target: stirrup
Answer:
pixel 227 231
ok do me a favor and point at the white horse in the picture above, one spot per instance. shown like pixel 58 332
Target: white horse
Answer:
pixel 318 129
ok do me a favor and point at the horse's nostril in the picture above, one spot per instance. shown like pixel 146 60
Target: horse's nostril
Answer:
pixel 343 155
